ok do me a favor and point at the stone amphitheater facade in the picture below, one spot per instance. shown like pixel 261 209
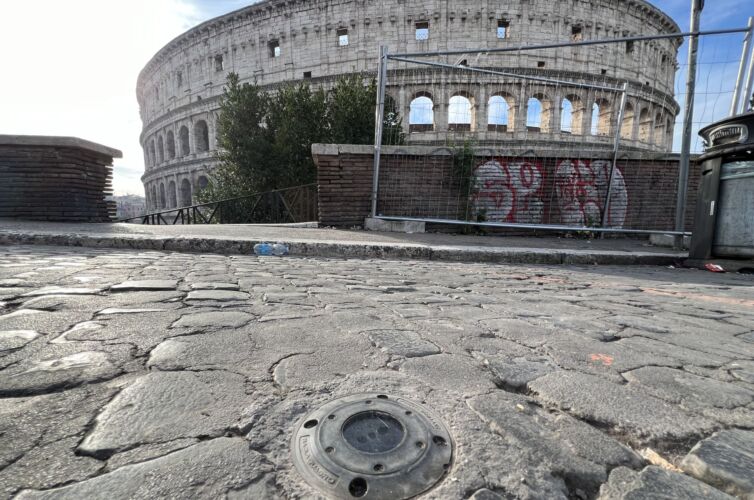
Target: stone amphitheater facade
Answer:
pixel 278 41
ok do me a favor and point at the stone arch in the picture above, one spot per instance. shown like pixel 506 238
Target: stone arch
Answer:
pixel 162 196
pixel 172 202
pixel 160 149
pixel 201 136
pixel 421 116
pixel 601 117
pixel 185 193
pixel 645 126
pixel 461 112
pixel 538 110
pixel 152 156
pixel 170 145
pixel 659 130
pixel 501 112
pixel 575 122
pixel 155 204
pixel 183 137
pixel 201 183
pixel 669 132
pixel 629 117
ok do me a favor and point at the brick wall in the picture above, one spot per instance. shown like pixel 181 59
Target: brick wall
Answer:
pixel 55 179
pixel 423 182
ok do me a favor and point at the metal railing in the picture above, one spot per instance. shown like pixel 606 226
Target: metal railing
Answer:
pixel 289 205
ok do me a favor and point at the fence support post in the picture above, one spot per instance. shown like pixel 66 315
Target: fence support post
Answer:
pixel 734 105
pixel 378 122
pixel 683 168
pixel 616 148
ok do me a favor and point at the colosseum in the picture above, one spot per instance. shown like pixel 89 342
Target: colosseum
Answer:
pixel 278 41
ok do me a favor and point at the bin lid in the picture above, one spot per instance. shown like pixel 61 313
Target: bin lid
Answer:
pixel 733 133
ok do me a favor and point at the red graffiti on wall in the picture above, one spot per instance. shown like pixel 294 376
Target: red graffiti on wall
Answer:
pixel 513 191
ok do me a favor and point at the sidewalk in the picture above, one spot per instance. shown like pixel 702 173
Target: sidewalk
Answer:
pixel 316 242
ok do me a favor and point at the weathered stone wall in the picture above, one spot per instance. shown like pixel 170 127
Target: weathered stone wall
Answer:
pixel 179 88
pixel 60 179
pixel 421 182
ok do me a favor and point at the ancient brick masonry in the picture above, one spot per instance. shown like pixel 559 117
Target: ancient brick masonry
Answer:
pixel 55 179
pixel 419 181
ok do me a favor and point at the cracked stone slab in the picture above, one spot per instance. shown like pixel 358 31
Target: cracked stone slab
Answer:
pixel 165 406
pixel 16 339
pixel 724 460
pixel 621 407
pixel 214 319
pixel 557 442
pixel 217 295
pixel 144 286
pixel 54 290
pixel 407 344
pixel 654 483
pixel 677 386
pixel 213 285
pixel 207 470
pixel 516 372
pixel 451 372
pixel 53 373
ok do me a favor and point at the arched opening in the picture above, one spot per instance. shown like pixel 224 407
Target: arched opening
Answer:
pixel 183 136
pixel 538 114
pixel 500 111
pixel 627 127
pixel 201 136
pixel 460 113
pixel 160 150
pixel 566 116
pixel 601 117
pixel 669 129
pixel 162 195
pixel 421 116
pixel 645 126
pixel 659 138
pixel 172 202
pixel 152 156
pixel 202 183
pixel 185 193
pixel 154 202
pixel 170 143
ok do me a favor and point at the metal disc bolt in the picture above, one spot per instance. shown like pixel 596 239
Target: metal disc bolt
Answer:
pixel 372 446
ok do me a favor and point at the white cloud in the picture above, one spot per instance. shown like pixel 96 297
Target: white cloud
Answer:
pixel 70 68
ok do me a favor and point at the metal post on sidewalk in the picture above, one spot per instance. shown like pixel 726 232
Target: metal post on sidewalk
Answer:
pixel 683 168
pixel 378 123
pixel 734 106
pixel 616 149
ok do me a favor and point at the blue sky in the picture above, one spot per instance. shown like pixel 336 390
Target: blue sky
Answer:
pixel 72 71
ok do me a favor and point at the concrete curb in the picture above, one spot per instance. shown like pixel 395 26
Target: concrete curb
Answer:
pixel 338 249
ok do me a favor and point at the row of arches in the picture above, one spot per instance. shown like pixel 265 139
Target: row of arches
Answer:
pixel 576 116
pixel 162 149
pixel 164 194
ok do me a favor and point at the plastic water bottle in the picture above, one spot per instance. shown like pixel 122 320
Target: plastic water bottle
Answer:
pixel 279 249
pixel 263 249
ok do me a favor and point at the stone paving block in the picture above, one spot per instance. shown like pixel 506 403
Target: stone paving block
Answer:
pixel 690 391
pixel 165 406
pixel 213 285
pixel 218 295
pixel 654 483
pixel 51 373
pixel 214 319
pixel 144 285
pixel 623 408
pixel 724 460
pixel 207 470
pixel 15 339
pixel 402 343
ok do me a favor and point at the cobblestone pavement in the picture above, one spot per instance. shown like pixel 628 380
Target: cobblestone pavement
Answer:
pixel 148 374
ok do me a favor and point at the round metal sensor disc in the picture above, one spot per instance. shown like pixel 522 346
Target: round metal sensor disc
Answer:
pixel 372 446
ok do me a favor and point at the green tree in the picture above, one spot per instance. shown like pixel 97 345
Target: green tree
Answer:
pixel 350 113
